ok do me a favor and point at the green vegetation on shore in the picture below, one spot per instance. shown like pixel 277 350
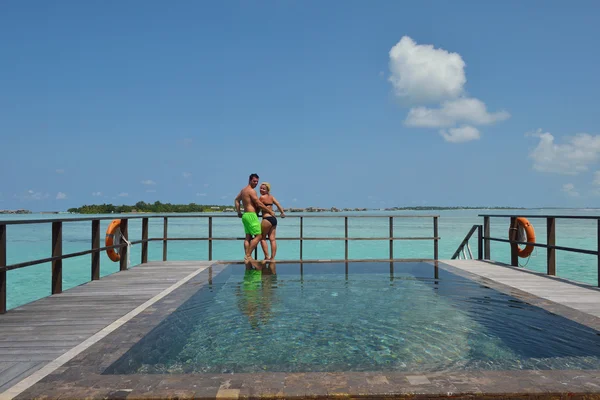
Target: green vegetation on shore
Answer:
pixel 143 207
pixel 158 207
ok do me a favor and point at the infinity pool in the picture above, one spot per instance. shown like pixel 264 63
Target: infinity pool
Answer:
pixel 356 317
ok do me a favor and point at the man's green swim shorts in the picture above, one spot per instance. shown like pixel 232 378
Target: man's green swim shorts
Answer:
pixel 251 223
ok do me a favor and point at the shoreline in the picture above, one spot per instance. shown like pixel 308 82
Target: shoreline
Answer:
pixel 227 209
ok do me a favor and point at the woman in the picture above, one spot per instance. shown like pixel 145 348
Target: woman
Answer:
pixel 269 223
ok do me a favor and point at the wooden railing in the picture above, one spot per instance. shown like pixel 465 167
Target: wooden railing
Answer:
pixel 95 251
pixel 485 239
pixel 465 243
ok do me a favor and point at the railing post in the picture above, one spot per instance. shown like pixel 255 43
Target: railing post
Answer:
pixel 210 238
pixel 486 241
pixel 551 241
pixel 57 252
pixel 598 249
pixel 2 264
pixel 435 238
pixel 123 250
pixel 144 237
pixel 165 225
pixel 346 236
pixel 391 238
pixel 301 235
pixel 479 242
pixel 514 257
pixel 95 246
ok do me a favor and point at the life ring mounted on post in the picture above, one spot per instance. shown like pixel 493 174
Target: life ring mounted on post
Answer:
pixel 113 237
pixel 524 232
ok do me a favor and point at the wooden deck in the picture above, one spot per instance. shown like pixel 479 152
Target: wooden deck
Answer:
pixel 40 337
pixel 50 331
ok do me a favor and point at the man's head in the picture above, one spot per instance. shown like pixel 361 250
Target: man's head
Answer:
pixel 253 180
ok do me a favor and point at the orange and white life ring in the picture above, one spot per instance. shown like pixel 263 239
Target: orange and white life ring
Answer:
pixel 524 233
pixel 113 237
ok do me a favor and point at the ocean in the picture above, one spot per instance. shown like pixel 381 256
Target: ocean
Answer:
pixel 33 241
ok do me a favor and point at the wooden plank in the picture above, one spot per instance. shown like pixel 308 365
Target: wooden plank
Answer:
pixel 18 371
pixel 36 333
pixel 6 365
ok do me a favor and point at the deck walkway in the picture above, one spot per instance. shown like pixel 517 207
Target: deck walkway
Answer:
pixel 36 334
pixel 38 338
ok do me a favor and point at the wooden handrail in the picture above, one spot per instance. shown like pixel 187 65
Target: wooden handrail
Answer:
pixel 465 241
pixel 550 244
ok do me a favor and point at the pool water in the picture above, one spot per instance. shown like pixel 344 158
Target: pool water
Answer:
pixel 356 317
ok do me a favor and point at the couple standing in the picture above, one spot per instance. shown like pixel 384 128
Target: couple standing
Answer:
pixel 252 227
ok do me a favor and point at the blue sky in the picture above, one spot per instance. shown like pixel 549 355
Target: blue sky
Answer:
pixel 347 104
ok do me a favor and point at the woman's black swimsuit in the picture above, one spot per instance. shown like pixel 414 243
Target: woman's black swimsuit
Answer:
pixel 272 220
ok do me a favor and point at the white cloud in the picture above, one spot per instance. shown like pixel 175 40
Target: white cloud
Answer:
pixel 148 182
pixel 422 74
pixel 123 194
pixel 96 194
pixel 569 189
pixel 569 158
pixel 294 199
pixel 452 112
pixel 458 135
pixel 33 195
pixel 187 174
pixel 61 196
pixel 60 171
pixel 201 194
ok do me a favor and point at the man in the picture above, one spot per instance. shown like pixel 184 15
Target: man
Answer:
pixel 250 219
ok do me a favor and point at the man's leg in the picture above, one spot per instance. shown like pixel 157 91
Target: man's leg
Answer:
pixel 265 248
pixel 247 242
pixel 253 243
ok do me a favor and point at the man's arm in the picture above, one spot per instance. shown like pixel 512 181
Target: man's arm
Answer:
pixel 260 204
pixel 281 210
pixel 237 200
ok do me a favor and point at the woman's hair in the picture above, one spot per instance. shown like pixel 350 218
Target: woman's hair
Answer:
pixel 268 186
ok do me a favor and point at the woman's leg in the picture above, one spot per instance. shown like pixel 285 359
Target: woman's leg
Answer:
pixel 273 242
pixel 265 227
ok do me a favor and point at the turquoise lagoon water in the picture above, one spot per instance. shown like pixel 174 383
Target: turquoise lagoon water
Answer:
pixel 33 241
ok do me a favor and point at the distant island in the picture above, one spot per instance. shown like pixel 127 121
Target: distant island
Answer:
pixel 157 207
pixel 20 211
pixel 143 207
